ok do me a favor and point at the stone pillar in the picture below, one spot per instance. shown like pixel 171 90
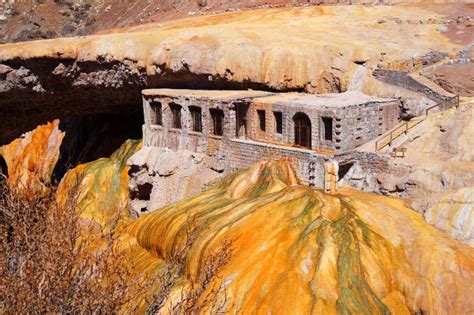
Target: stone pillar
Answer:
pixel 331 170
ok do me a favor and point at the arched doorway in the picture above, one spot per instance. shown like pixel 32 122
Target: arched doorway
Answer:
pixel 302 130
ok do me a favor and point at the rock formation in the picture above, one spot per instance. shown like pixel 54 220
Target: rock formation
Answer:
pixel 316 49
pixel 101 186
pixel 453 213
pixel 352 252
pixel 346 252
pixel 159 177
pixel 30 159
pixel 22 21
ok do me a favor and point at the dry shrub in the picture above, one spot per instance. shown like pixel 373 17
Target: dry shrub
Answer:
pixel 53 261
pixel 198 296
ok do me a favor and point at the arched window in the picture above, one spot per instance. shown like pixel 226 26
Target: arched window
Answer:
pixel 302 130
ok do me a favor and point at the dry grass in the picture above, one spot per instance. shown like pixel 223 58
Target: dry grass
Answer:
pixel 53 261
pixel 203 293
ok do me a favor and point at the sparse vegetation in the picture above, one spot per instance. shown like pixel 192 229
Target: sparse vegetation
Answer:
pixel 54 261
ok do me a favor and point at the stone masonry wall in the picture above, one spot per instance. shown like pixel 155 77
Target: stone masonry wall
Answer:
pixel 352 125
pixel 308 165
pixel 358 124
pixel 414 83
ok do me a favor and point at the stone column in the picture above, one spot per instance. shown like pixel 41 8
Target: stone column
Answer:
pixel 331 170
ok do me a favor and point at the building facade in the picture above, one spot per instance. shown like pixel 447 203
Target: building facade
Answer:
pixel 239 128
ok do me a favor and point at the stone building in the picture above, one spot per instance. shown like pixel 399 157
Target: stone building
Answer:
pixel 238 128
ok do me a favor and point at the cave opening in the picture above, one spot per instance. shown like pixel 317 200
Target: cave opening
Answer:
pixel 3 166
pixel 91 137
pixel 96 117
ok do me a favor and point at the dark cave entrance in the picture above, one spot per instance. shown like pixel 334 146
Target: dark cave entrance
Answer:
pixel 91 137
pixel 97 118
pixel 3 166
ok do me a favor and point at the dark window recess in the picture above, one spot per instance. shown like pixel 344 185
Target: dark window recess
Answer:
pixel 196 118
pixel 142 193
pixel 344 169
pixel 241 125
pixel 157 118
pixel 217 117
pixel 278 122
pixel 261 119
pixel 302 130
pixel 176 113
pixel 327 128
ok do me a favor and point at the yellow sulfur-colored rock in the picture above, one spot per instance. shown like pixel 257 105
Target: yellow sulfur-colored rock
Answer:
pixel 299 251
pixel 32 157
pixel 315 48
pixel 101 185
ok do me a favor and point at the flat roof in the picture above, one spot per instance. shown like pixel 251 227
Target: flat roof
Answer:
pixel 209 94
pixel 331 100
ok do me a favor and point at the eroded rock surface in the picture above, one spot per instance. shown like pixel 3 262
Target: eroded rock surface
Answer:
pixel 100 187
pixel 29 20
pixel 315 49
pixel 30 159
pixel 351 252
pixel 160 176
pixel 454 214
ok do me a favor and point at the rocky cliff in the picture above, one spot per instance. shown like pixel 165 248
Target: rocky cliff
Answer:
pixel 29 161
pixel 436 174
pixel 101 185
pixel 316 49
pixel 160 176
